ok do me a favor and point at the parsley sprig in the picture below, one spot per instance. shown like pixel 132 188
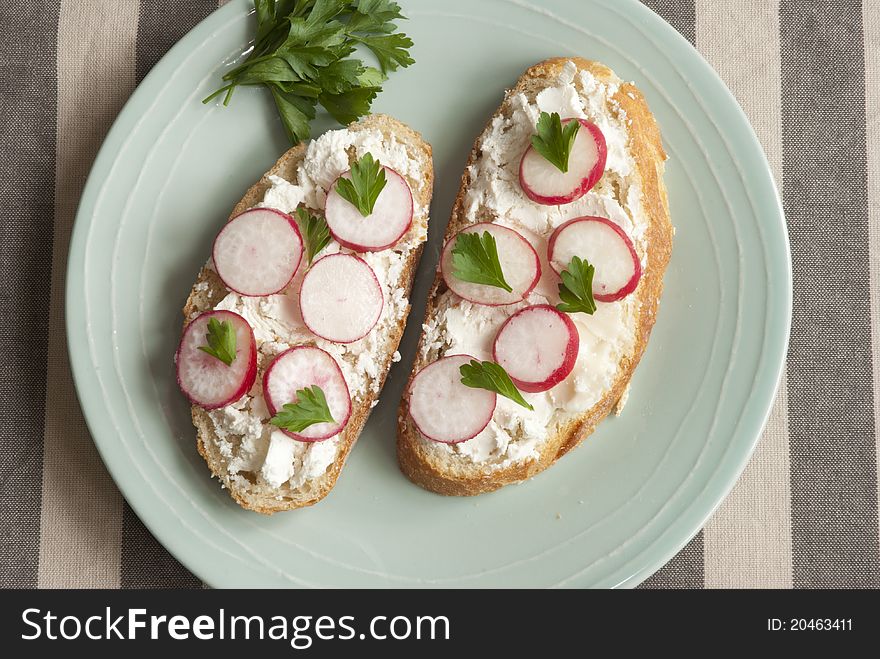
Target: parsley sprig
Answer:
pixel 310 408
pixel 475 260
pixel 303 51
pixel 576 289
pixel 221 341
pixel 314 230
pixel 491 376
pixel 366 183
pixel 553 141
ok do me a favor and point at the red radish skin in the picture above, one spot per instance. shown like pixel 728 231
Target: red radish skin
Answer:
pixel 301 367
pixel 258 252
pixel 544 184
pixel 442 408
pixel 606 246
pixel 340 298
pixel 205 380
pixel 390 220
pixel 538 347
pixel 519 263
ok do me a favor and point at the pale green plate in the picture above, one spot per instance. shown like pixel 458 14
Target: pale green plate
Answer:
pixel 611 512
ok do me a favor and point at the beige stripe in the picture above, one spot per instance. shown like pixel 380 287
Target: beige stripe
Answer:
pixel 748 540
pixel 81 516
pixel 871 23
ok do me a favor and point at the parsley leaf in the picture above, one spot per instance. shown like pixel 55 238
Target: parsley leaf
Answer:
pixel 340 76
pixel 553 141
pixel 348 106
pixel 391 50
pixel 475 259
pixel 371 77
pixel 491 376
pixel 270 69
pixel 314 230
pixel 304 52
pixel 372 17
pixel 576 289
pixel 221 341
pixel 310 408
pixel 296 112
pixel 366 182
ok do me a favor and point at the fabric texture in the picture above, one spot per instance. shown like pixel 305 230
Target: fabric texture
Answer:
pixel 805 512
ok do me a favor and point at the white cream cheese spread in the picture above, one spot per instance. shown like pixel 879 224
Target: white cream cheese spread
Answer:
pixel 246 439
pixel 515 434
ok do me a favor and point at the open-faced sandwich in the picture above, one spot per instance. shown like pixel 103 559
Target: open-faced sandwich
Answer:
pixel 548 283
pixel 292 326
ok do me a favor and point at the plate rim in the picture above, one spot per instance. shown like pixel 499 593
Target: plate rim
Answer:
pixel 76 323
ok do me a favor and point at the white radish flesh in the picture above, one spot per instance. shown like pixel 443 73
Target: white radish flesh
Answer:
pixel 538 347
pixel 258 252
pixel 519 264
pixel 444 409
pixel 608 249
pixel 544 183
pixel 390 219
pixel 340 299
pixel 207 381
pixel 306 366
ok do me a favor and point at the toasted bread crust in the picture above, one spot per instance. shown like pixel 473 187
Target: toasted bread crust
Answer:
pixel 448 478
pixel 202 298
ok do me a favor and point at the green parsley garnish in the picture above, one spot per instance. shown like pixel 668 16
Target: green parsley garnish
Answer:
pixel 576 289
pixel 366 182
pixel 553 141
pixel 314 231
pixel 221 341
pixel 475 259
pixel 310 408
pixel 491 376
pixel 303 52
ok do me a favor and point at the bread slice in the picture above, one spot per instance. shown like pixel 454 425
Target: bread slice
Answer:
pixel 640 193
pixel 247 486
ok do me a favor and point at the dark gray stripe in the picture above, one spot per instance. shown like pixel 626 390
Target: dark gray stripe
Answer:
pixel 830 408
pixel 680 14
pixel 144 562
pixel 161 24
pixel 28 101
pixel 686 570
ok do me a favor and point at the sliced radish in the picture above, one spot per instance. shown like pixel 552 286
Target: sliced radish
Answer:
pixel 306 366
pixel 258 252
pixel 204 379
pixel 538 347
pixel 444 409
pixel 519 264
pixel 340 299
pixel 390 219
pixel 542 181
pixel 606 246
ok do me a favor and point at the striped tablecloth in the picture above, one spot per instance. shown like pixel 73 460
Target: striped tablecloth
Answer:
pixel 807 73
